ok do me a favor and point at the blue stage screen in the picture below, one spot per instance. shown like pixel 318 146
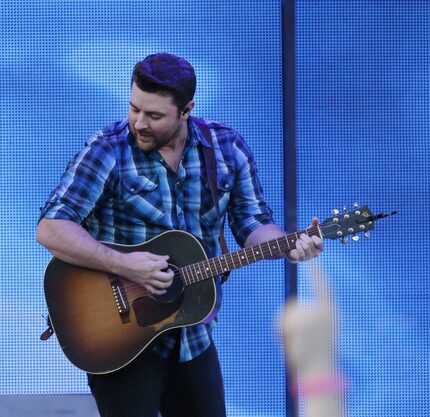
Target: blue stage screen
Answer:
pixel 363 135
pixel 65 73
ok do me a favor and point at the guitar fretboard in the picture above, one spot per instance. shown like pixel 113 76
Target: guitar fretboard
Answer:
pixel 210 268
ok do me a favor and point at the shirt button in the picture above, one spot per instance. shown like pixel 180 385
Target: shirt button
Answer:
pixel 132 189
pixel 226 185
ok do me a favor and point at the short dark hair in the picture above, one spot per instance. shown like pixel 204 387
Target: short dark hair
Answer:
pixel 166 74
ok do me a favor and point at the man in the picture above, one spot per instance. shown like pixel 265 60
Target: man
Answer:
pixel 134 180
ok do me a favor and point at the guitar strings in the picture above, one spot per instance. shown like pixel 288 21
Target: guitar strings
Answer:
pixel 198 266
pixel 138 291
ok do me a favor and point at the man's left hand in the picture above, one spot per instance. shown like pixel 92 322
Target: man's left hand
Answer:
pixel 307 247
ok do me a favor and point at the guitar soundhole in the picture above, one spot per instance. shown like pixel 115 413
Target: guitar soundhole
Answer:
pixel 154 309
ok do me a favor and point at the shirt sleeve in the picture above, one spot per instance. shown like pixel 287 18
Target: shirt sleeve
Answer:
pixel 248 209
pixel 85 183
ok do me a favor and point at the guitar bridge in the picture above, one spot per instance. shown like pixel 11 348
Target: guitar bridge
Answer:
pixel 120 298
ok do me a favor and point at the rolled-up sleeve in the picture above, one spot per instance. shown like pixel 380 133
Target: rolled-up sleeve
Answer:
pixel 86 180
pixel 248 209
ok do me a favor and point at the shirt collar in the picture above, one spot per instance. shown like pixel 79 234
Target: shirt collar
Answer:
pixel 196 134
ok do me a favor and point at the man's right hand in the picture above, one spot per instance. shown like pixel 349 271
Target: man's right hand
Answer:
pixel 148 270
pixel 71 243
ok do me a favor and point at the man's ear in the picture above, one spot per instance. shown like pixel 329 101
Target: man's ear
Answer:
pixel 187 109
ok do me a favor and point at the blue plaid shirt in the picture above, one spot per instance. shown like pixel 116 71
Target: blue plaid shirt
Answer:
pixel 127 196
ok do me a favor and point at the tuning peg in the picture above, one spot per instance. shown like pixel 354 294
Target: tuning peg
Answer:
pixel 356 205
pixel 335 212
pixel 355 238
pixel 367 234
pixel 344 240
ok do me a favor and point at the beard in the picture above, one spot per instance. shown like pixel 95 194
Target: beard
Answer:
pixel 148 140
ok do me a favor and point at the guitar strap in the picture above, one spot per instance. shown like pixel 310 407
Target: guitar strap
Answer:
pixel 210 164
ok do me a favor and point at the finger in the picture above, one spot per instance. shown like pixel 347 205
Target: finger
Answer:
pixel 318 242
pixel 160 264
pixel 306 239
pixel 313 244
pixel 163 276
pixel 315 221
pixel 154 291
pixel 155 257
pixel 292 256
pixel 159 285
pixel 300 250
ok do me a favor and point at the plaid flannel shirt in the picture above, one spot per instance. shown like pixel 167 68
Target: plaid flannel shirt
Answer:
pixel 124 195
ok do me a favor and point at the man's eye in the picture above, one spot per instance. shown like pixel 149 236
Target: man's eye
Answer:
pixel 155 116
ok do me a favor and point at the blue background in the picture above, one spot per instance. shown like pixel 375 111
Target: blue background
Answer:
pixel 363 131
pixel 363 106
pixel 65 73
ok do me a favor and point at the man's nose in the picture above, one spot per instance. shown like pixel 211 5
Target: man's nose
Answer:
pixel 141 123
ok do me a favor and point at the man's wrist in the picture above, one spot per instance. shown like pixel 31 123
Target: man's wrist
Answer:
pixel 116 261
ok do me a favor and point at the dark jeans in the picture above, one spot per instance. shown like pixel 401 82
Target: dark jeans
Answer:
pixel 150 384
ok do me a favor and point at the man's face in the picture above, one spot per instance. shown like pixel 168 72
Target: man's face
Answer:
pixel 154 121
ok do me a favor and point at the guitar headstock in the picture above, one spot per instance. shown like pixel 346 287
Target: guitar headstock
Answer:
pixel 341 225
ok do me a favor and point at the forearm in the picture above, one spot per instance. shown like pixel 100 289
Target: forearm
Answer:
pixel 71 243
pixel 264 234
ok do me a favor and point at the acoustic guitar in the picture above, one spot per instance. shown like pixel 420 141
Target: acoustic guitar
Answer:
pixel 103 321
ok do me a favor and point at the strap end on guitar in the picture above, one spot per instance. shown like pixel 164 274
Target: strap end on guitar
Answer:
pixel 48 332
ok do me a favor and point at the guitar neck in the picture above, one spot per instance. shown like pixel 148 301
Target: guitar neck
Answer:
pixel 219 265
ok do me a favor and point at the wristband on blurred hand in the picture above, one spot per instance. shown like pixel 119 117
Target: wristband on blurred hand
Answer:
pixel 324 384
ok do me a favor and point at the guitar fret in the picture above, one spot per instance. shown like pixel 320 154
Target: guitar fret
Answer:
pixel 267 251
pixel 261 251
pixel 221 268
pixel 189 274
pixel 214 269
pixel 279 248
pixel 243 257
pixel 270 250
pixel 237 261
pixel 246 256
pixel 182 275
pixel 233 265
pixel 293 242
pixel 207 269
pixel 195 274
pixel 224 268
pixel 199 272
